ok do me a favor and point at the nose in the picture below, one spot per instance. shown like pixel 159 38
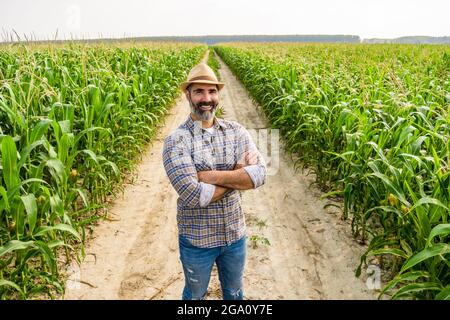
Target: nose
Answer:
pixel 206 96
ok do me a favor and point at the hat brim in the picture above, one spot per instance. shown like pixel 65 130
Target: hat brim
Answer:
pixel 184 85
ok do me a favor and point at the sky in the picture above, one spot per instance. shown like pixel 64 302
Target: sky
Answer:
pixel 63 19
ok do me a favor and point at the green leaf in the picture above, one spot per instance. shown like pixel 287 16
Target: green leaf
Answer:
pixel 29 202
pixel 61 227
pixel 408 276
pixel 444 294
pixel 8 283
pixel 64 144
pixel 393 251
pixel 14 190
pixel 83 196
pixel 57 204
pixel 415 287
pixel 39 130
pixel 48 255
pixel 9 163
pixel 438 249
pixel 439 230
pixel 392 187
pixel 14 116
pixel 26 151
pixel 14 245
pixel 58 243
pixel 428 200
pixel 113 167
pixel 65 126
pixel 57 170
pixel 91 129
pixel 4 202
pixel 407 248
pixel 91 154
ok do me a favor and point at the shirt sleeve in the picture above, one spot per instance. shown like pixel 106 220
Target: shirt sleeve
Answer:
pixel 257 174
pixel 181 171
pixel 206 193
pixel 258 171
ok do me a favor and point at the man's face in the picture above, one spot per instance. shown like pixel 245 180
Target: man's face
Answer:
pixel 204 99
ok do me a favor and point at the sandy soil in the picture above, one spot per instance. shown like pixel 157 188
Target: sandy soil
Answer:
pixel 311 255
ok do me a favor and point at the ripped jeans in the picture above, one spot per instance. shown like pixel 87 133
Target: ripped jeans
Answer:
pixel 197 265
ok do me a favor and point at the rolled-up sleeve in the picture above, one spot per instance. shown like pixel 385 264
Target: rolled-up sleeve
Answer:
pixel 258 171
pixel 182 174
pixel 206 194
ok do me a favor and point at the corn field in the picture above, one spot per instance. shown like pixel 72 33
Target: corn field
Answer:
pixel 73 120
pixel 372 122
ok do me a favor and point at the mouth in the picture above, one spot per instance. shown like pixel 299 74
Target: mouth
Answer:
pixel 205 108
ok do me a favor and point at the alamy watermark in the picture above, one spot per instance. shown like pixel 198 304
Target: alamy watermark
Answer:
pixel 73 17
pixel 74 279
pixel 373 281
pixel 235 148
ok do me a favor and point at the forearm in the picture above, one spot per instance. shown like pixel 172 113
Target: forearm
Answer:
pixel 232 179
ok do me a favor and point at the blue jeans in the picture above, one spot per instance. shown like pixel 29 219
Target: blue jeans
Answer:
pixel 198 262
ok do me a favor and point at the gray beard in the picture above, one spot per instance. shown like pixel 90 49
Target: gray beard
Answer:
pixel 201 114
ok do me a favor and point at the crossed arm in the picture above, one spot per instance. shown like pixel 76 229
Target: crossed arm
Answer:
pixel 201 188
pixel 227 180
pixel 237 179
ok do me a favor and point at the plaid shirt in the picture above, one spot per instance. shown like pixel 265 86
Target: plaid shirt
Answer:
pixel 191 149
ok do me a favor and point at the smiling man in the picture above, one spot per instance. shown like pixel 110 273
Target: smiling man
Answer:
pixel 209 161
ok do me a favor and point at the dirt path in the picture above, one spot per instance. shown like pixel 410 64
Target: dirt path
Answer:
pixel 311 253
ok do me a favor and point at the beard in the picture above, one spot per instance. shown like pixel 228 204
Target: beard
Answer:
pixel 203 115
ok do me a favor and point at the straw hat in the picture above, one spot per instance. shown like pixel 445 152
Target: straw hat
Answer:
pixel 201 73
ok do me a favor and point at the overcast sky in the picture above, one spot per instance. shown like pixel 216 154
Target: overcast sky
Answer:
pixel 118 18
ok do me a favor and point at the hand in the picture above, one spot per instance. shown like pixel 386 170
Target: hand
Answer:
pixel 248 158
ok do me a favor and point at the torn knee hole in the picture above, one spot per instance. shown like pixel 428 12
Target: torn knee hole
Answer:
pixel 193 280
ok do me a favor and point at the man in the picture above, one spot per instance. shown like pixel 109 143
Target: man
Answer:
pixel 208 161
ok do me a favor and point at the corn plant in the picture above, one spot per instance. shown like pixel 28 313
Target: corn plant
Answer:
pixel 213 63
pixel 372 122
pixel 73 120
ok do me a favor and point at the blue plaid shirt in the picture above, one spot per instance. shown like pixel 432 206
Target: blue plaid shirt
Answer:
pixel 191 149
